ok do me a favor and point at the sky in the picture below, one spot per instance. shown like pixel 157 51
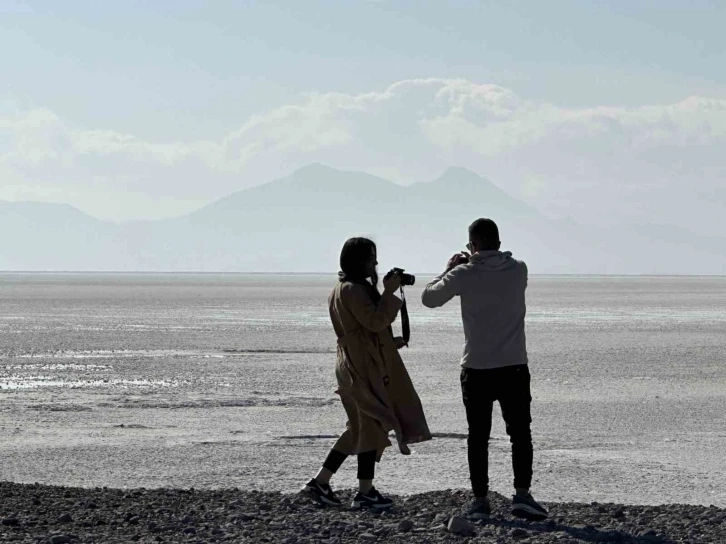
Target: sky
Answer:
pixel 599 111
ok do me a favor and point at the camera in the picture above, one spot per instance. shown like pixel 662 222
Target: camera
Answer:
pixel 406 279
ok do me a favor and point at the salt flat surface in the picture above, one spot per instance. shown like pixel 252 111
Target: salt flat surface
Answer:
pixel 227 380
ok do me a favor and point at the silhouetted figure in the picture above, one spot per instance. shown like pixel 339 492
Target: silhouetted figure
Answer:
pixel 491 286
pixel 373 383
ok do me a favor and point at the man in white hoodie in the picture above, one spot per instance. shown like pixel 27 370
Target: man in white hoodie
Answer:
pixel 491 286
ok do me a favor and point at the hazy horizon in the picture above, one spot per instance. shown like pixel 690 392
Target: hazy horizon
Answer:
pixel 332 275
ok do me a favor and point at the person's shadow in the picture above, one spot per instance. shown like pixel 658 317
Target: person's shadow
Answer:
pixel 588 533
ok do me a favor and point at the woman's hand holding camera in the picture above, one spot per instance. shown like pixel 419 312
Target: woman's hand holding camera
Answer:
pixel 391 283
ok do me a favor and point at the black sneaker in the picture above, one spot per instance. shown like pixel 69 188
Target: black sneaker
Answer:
pixel 524 506
pixel 321 493
pixel 479 510
pixel 372 499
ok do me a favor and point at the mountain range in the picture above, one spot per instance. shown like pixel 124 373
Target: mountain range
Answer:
pixel 298 224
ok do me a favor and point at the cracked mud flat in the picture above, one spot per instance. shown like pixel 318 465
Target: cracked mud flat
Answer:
pixel 220 382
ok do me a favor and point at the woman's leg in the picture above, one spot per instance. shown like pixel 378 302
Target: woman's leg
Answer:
pixel 330 466
pixel 366 470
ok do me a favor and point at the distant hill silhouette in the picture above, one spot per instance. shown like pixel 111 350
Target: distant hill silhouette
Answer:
pixel 44 236
pixel 298 224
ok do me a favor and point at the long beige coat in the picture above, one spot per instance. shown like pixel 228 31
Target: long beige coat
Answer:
pixel 373 384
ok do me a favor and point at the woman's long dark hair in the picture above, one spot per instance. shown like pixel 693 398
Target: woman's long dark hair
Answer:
pixel 354 257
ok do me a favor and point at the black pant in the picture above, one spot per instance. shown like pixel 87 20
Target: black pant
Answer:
pixel 510 386
pixel 366 463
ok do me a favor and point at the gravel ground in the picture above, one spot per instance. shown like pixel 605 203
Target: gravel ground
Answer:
pixel 56 515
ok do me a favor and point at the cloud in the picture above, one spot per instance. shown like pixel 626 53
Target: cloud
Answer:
pixel 493 123
pixel 106 173
pixel 322 122
pixel 459 119
pixel 552 155
pixel 40 135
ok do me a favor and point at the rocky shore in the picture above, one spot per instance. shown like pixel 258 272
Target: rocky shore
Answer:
pixel 58 515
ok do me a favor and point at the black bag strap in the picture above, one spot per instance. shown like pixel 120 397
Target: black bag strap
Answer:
pixel 405 326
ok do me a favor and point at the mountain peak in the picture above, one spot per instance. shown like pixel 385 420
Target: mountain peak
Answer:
pixel 459 172
pixel 321 177
pixel 459 175
pixel 457 182
pixel 314 169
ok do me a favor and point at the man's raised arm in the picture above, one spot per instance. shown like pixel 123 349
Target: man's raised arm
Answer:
pixel 446 286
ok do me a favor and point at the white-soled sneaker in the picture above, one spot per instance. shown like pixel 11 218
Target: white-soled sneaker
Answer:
pixel 372 499
pixel 321 493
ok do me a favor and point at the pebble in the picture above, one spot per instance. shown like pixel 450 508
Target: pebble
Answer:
pixel 65 518
pixel 405 525
pixel 460 526
pixel 10 522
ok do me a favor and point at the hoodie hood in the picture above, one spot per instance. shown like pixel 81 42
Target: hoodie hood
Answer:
pixel 493 260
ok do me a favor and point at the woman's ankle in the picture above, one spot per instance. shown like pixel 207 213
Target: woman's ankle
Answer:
pixel 323 476
pixel 365 486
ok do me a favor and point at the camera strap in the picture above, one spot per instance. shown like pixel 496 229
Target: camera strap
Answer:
pixel 405 326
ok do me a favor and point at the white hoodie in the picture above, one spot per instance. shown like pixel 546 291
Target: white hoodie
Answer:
pixel 491 286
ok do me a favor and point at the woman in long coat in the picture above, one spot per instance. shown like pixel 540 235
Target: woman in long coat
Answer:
pixel 373 384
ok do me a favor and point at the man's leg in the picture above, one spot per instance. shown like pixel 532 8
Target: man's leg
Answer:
pixel 478 405
pixel 515 399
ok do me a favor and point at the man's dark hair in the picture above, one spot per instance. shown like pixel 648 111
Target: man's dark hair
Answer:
pixel 485 233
